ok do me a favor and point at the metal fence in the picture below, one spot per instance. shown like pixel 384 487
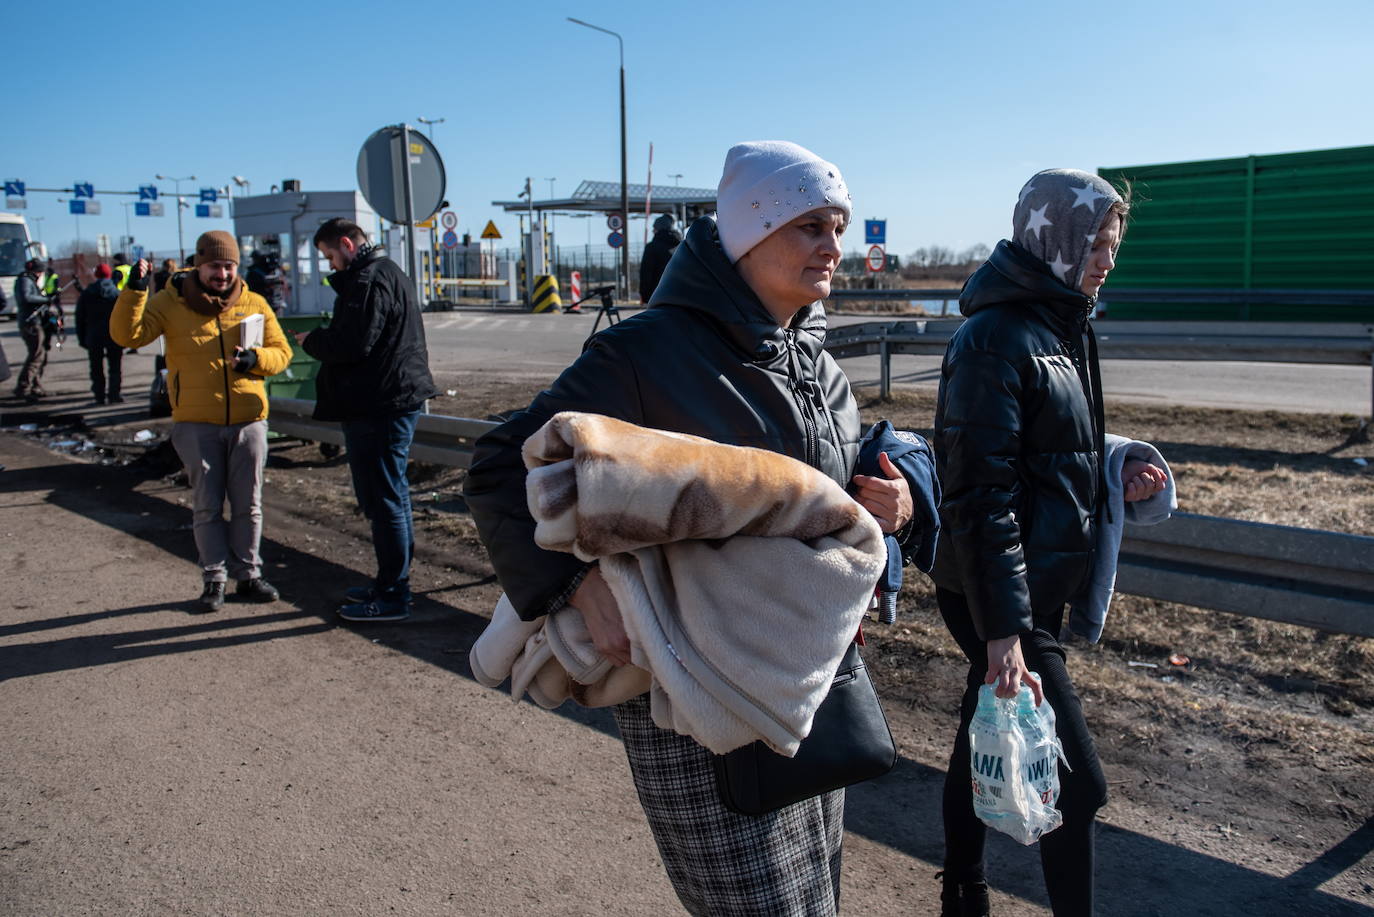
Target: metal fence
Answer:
pixel 1263 342
pixel 1323 580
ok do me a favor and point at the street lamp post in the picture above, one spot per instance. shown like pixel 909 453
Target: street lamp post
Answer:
pixel 76 217
pixel 553 256
pixel 676 177
pixel 181 203
pixel 430 122
pixel 128 232
pixel 38 227
pixel 624 173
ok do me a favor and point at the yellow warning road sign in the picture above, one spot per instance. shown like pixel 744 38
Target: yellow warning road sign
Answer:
pixel 491 232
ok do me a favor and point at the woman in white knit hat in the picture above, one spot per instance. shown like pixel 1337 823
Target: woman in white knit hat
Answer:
pixel 730 348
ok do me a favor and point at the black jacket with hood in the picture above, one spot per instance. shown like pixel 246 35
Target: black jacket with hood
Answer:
pixel 372 354
pixel 705 358
pixel 654 261
pixel 93 308
pixel 1018 442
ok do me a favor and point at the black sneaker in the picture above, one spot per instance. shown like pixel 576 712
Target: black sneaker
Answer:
pixel 256 589
pixel 357 595
pixel 116 399
pixel 212 598
pixel 963 899
pixel 375 610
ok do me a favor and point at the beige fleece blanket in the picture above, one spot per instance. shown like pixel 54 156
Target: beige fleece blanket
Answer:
pixel 741 575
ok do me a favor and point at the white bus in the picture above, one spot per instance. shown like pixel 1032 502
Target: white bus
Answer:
pixel 15 249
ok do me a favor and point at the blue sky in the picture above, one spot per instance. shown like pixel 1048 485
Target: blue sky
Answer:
pixel 935 113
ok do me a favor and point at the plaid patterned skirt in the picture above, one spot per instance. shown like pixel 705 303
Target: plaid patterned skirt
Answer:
pixel 721 863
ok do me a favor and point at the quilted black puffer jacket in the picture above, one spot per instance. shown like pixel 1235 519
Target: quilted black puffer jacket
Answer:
pixel 705 358
pixel 1018 445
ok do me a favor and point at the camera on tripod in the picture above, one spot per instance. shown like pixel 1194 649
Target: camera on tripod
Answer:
pixel 608 307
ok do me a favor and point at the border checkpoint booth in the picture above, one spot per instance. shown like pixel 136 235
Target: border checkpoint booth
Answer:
pixel 284 225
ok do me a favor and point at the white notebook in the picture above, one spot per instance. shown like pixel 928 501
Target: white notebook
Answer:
pixel 250 332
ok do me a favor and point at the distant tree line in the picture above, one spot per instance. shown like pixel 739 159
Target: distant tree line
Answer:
pixel 939 262
pixel 935 262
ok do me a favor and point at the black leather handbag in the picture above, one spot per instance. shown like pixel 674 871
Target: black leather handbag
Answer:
pixel 849 742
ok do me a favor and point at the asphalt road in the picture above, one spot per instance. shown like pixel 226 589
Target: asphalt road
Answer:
pixel 539 346
pixel 268 761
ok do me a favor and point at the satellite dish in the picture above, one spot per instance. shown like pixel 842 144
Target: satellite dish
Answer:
pixel 382 165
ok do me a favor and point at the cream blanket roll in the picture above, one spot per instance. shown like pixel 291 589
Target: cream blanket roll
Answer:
pixel 741 574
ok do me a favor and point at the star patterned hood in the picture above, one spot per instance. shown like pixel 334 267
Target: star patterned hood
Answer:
pixel 1057 217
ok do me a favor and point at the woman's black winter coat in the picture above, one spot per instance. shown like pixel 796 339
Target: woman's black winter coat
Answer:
pixel 706 359
pixel 1018 446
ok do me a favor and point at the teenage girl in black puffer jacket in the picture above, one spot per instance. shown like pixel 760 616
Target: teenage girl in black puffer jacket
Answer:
pixel 1019 445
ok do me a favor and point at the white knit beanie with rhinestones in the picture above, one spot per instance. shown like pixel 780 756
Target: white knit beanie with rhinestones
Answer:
pixel 768 183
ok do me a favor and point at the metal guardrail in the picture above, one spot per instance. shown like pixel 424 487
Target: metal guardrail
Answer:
pixel 1295 298
pixel 1264 342
pixel 439 440
pixel 943 294
pixel 1323 580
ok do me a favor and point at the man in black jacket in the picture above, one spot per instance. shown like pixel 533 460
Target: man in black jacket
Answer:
pixel 656 256
pixel 374 378
pixel 93 310
pixel 38 316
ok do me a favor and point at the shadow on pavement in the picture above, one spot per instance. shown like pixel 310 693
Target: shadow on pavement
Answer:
pixel 19 660
pixel 1138 875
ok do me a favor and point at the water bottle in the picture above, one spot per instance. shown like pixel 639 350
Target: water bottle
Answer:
pixel 1041 764
pixel 996 751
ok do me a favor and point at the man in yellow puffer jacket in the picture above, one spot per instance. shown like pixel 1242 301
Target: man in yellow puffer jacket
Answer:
pixel 219 402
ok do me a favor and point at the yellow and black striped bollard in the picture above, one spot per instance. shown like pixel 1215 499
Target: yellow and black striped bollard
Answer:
pixel 546 294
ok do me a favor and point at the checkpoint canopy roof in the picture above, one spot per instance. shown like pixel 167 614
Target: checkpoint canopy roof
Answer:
pixel 604 197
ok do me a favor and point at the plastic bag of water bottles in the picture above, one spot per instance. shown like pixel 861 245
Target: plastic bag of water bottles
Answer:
pixel 1014 752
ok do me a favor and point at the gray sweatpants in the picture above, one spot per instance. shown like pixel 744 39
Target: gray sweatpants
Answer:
pixel 225 462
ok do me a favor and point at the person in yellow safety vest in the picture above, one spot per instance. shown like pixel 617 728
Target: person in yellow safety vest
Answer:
pixel 122 267
pixel 50 282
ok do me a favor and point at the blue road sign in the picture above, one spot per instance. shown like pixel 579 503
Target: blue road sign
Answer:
pixel 202 210
pixel 14 188
pixel 615 239
pixel 208 195
pixel 450 239
pixel 77 207
pixel 143 209
pixel 875 232
pixel 83 189
pixel 147 192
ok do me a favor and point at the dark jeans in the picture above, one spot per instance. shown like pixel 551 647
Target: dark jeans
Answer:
pixel 1066 853
pixel 378 450
pixel 100 356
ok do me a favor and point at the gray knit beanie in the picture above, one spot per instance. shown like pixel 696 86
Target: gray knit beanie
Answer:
pixel 766 184
pixel 1057 217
